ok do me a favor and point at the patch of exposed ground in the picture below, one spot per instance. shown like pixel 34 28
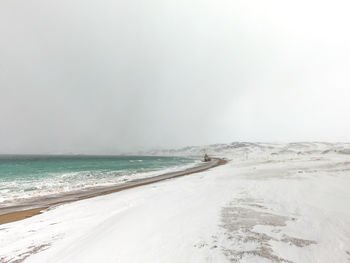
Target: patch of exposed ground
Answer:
pixel 21 257
pixel 238 221
pixel 297 241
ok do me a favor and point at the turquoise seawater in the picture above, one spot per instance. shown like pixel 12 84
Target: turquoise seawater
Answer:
pixel 29 176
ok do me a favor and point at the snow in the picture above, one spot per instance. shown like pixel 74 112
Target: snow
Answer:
pixel 270 203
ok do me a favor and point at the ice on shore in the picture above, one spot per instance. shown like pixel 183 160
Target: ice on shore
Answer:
pixel 270 203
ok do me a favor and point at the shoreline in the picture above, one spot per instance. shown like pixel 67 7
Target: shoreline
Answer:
pixel 21 214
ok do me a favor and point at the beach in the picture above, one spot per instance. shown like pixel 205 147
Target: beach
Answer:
pixel 268 203
pixel 14 213
pixel 175 131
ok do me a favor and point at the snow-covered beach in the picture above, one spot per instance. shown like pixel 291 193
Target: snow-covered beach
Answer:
pixel 269 203
pixel 24 208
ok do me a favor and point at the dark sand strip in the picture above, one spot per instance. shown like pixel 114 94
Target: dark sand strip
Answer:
pixel 22 213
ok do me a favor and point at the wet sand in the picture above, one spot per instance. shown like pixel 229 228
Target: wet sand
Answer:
pixel 12 214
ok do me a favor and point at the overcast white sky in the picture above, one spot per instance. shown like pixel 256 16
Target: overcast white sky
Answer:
pixel 109 76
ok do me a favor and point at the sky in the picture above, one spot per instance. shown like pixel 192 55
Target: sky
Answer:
pixel 108 77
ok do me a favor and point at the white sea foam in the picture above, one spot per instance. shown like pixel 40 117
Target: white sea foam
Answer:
pixel 17 192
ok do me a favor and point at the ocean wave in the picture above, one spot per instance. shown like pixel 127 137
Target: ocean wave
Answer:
pixel 19 191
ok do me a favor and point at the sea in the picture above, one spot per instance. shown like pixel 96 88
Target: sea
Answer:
pixel 24 178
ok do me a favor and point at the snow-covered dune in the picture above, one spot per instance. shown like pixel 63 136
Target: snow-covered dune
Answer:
pixel 243 150
pixel 269 203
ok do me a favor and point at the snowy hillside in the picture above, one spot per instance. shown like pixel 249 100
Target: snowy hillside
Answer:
pixel 244 150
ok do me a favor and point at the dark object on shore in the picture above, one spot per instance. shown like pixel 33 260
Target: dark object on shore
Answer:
pixel 207 158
